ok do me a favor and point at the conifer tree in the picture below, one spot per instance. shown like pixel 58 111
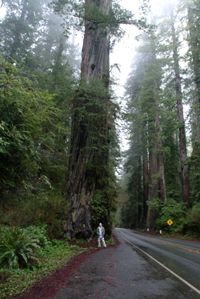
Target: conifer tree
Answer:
pixel 181 121
pixel 146 137
pixel 89 151
pixel 193 8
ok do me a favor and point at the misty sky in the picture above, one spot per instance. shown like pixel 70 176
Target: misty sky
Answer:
pixel 123 52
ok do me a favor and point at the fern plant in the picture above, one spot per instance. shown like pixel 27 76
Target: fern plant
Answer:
pixel 18 249
pixel 39 233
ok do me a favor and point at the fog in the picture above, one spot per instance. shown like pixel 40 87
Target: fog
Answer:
pixel 123 52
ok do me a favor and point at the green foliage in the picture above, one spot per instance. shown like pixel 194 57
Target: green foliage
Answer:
pixel 193 220
pixel 193 27
pixel 50 211
pixel 23 112
pixel 38 233
pixel 36 88
pixel 34 131
pixel 184 221
pixel 19 247
pixel 76 12
pixel 20 28
pixel 176 211
pixel 194 164
pixel 98 208
pixel 101 205
pixel 129 215
pixel 52 257
pixel 94 112
pixel 145 125
pixel 151 91
pixel 170 145
pixel 155 204
pixel 37 84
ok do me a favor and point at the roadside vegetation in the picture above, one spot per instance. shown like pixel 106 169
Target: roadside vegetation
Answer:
pixel 27 255
pixel 162 165
pixel 59 148
pixel 181 220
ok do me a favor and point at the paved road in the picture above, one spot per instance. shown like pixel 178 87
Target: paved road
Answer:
pixel 179 257
pixel 126 272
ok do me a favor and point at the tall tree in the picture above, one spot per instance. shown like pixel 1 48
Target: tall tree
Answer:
pixel 19 28
pixel 193 8
pixel 152 99
pixel 89 134
pixel 180 116
pixel 145 99
pixel 42 55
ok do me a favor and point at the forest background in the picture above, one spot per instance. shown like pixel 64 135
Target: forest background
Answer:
pixel 157 176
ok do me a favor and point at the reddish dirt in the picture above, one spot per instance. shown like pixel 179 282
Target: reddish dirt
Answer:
pixel 48 287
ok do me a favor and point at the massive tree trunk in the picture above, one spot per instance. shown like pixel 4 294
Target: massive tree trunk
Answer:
pixel 89 133
pixel 157 186
pixel 182 136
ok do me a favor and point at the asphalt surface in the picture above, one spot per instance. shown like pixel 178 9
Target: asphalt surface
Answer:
pixel 126 272
pixel 180 256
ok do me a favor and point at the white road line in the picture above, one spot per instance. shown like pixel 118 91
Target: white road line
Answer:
pixel 162 265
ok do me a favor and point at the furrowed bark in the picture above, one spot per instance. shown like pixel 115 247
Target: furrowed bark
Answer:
pixel 182 136
pixel 157 186
pixel 89 133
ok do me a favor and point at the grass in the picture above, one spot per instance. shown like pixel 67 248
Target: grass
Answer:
pixel 14 282
pixel 93 243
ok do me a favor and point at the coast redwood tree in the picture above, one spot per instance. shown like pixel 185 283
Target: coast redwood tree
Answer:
pixel 89 148
pixel 182 143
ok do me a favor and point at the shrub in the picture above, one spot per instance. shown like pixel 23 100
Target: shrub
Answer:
pixel 155 204
pixel 193 219
pixel 19 248
pixel 50 210
pixel 175 211
pixel 38 233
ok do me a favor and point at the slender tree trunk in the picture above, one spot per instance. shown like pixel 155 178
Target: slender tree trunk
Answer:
pixel 182 136
pixel 145 185
pixel 89 133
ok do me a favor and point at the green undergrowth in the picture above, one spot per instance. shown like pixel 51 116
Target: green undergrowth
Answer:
pixel 93 242
pixel 54 256
pixel 111 241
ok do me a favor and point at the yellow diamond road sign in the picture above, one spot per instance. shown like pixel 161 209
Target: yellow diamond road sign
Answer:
pixel 169 222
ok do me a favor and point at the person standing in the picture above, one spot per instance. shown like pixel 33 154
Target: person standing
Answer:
pixel 101 234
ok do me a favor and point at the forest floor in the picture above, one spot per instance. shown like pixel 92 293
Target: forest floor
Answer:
pixel 48 287
pixel 105 273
